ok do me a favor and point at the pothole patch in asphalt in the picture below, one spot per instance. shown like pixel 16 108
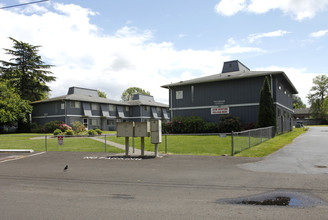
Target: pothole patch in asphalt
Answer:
pixel 277 198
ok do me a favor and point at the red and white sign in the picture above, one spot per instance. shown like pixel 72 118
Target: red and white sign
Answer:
pixel 220 111
pixel 60 140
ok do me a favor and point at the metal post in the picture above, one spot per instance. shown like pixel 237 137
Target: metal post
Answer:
pixel 156 150
pixel 249 139
pixel 165 144
pixel 133 144
pixel 105 144
pixel 46 143
pixel 232 150
pixel 126 146
pixel 142 146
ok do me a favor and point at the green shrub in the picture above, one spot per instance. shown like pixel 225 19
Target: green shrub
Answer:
pixel 51 126
pixel 192 124
pixel 36 128
pixel 228 123
pixel 69 132
pixel 57 132
pixel 78 127
pixel 92 132
pixel 211 127
pixel 98 131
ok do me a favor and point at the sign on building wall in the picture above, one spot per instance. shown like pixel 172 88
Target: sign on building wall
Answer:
pixel 224 110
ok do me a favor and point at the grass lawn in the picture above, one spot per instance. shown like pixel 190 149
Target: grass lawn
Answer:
pixel 38 143
pixel 176 144
pixel 184 144
pixel 272 145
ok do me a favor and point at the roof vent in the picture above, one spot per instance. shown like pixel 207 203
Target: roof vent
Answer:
pixel 233 66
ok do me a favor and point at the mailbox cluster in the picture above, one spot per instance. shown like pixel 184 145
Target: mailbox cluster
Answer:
pixel 141 129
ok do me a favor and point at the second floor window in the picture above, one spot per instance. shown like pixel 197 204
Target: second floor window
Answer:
pixel 75 104
pixel 95 106
pixel 179 95
pixel 111 108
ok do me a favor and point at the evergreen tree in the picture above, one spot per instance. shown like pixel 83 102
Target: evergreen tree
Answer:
pixel 26 72
pixel 267 115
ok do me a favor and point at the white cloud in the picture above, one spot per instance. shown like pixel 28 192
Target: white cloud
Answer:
pixel 319 33
pixel 278 33
pixel 86 57
pixel 230 7
pixel 298 9
pixel 232 47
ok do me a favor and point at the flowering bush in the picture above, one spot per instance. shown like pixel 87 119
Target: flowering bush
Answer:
pixel 51 126
pixel 64 127
pixel 78 127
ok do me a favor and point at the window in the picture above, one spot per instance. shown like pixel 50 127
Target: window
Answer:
pixel 62 106
pixel 111 108
pixel 95 106
pixel 126 108
pixel 158 109
pixel 192 94
pixel 179 95
pixel 279 112
pixel 146 108
pixel 110 122
pixel 95 122
pixel 75 104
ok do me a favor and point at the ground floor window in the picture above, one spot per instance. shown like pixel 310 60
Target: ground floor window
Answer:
pixel 95 122
pixel 110 122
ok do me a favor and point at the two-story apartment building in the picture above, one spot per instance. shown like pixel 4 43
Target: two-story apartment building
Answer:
pixel 85 105
pixel 235 91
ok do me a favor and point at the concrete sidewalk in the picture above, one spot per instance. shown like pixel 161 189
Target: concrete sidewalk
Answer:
pixel 120 146
pixel 307 154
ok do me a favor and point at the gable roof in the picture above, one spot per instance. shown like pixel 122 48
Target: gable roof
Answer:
pixel 84 97
pixel 243 74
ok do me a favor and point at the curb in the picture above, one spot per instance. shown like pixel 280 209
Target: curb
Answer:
pixel 16 151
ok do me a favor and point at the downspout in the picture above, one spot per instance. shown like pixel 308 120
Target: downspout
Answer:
pixel 65 111
pixel 271 82
pixel 171 102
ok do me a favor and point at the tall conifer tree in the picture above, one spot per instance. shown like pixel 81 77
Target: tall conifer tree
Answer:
pixel 26 72
pixel 267 115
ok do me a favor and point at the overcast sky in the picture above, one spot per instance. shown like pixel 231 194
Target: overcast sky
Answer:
pixel 112 45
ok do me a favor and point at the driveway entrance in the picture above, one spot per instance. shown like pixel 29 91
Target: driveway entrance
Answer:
pixel 307 154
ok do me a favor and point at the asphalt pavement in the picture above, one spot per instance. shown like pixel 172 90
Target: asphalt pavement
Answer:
pixel 307 154
pixel 104 186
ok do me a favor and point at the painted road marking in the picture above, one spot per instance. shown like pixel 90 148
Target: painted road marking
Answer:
pixel 17 157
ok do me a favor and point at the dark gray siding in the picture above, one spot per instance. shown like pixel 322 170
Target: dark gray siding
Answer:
pixel 239 91
pixel 241 95
pixel 48 108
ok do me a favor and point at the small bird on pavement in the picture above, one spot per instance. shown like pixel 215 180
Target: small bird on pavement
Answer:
pixel 65 168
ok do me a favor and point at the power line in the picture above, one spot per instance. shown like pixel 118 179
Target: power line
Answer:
pixel 12 6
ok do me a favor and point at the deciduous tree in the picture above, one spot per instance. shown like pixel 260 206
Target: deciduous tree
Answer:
pixel 12 107
pixel 317 96
pixel 128 93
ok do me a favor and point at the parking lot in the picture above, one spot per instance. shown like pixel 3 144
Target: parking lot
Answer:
pixel 99 186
